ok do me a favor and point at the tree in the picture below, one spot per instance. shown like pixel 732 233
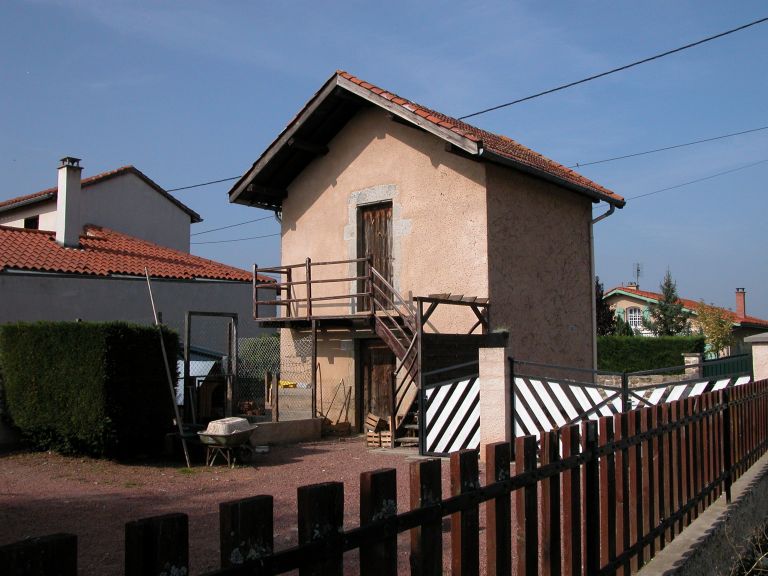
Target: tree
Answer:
pixel 605 317
pixel 623 328
pixel 716 325
pixel 667 317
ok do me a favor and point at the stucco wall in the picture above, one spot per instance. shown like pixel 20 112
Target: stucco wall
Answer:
pixel 439 212
pixel 540 268
pixel 46 211
pixel 33 297
pixel 127 204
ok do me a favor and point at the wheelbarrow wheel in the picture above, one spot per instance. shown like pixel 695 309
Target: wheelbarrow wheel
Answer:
pixel 244 453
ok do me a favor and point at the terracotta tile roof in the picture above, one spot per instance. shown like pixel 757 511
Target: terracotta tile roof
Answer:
pixel 104 252
pixel 51 193
pixel 687 303
pixel 496 143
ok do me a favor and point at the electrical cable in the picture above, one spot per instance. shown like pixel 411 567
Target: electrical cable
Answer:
pixel 619 69
pixel 237 239
pixel 698 180
pixel 203 184
pixel 581 164
pixel 231 226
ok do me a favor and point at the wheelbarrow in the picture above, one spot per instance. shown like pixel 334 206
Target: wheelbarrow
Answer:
pixel 228 438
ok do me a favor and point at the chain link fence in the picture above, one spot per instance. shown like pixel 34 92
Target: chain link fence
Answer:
pixel 291 362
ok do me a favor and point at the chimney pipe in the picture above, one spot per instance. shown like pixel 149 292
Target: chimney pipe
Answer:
pixel 68 203
pixel 741 303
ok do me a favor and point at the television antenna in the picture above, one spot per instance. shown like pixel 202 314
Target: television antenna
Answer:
pixel 638 271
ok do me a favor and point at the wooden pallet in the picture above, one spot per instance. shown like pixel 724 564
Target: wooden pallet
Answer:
pixel 378 439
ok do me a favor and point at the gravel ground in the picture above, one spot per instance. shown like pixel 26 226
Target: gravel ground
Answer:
pixel 44 493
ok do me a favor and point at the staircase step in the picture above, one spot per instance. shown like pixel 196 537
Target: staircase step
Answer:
pixel 408 441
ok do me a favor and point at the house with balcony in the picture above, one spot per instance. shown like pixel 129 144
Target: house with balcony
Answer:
pixel 410 239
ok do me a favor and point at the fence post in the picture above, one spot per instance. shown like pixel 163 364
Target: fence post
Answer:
pixel 550 506
pixel 571 504
pixel 245 530
pixel 498 511
pixel 378 501
pixel 289 292
pixel 512 407
pixel 465 526
pixel 591 497
pixel 526 502
pixel 727 455
pixel 314 370
pixel 321 517
pixel 625 406
pixel 157 544
pixel 427 540
pixel 54 554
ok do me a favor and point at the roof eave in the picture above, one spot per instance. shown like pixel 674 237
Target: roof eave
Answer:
pixel 27 202
pixel 594 195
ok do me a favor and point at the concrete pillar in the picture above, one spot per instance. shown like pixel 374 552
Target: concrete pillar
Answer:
pixel 759 355
pixel 495 397
pixel 692 361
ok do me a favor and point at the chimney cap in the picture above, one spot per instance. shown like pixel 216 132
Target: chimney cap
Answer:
pixel 70 161
pixel 740 290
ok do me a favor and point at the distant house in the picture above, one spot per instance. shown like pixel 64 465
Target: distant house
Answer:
pixel 631 304
pixel 433 228
pixel 79 251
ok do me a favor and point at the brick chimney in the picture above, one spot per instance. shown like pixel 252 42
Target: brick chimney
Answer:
pixel 741 302
pixel 68 226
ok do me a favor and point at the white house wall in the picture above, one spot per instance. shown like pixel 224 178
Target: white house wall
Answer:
pixel 34 297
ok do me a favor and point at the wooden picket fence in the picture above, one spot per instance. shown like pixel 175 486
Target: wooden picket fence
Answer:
pixel 599 497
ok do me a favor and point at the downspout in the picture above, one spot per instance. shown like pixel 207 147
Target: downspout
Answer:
pixel 592 280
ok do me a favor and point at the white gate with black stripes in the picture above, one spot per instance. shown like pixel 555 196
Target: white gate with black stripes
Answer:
pixel 451 416
pixel 542 403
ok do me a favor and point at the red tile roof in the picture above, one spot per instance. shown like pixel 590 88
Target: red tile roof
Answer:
pixel 496 143
pixel 104 252
pixel 50 193
pixel 691 305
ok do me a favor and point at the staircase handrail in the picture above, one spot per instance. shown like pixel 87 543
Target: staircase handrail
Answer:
pixel 397 300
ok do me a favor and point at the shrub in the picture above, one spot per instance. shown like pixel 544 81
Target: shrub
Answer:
pixel 632 354
pixel 92 388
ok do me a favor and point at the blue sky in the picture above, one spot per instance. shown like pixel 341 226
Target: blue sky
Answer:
pixel 191 91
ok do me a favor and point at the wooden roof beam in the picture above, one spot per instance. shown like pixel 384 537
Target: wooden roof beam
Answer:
pixel 307 146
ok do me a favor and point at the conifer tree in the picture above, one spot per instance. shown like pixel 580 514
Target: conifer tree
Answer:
pixel 667 317
pixel 605 317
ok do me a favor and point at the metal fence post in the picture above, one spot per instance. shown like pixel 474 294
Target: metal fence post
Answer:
pixel 512 406
pixel 625 407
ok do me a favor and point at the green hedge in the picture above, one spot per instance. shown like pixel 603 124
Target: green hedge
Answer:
pixel 92 388
pixel 635 353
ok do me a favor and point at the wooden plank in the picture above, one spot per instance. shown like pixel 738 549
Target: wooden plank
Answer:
pixel 427 540
pixel 157 544
pixel 465 525
pixel 571 504
pixel 526 528
pixel 44 556
pixel 378 501
pixel 498 513
pixel 653 486
pixel 246 529
pixel 622 489
pixel 684 461
pixel 549 508
pixel 633 487
pixel 593 528
pixel 665 471
pixel 321 517
pixel 645 493
pixel 607 494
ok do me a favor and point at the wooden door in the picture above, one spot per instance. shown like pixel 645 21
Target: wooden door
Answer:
pixel 378 363
pixel 375 239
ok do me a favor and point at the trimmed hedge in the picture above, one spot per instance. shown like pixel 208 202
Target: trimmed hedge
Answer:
pixel 635 353
pixel 92 388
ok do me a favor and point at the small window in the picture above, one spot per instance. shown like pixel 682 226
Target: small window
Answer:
pixel 635 318
pixel 32 223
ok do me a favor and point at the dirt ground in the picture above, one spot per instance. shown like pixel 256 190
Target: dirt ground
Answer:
pixel 44 493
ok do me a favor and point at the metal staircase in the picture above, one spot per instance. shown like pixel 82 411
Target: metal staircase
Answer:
pixel 398 327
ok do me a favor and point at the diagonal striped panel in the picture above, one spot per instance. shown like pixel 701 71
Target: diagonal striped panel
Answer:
pixel 541 404
pixel 452 417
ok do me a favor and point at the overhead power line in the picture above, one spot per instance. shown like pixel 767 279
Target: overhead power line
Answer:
pixel 619 69
pixel 698 180
pixel 581 164
pixel 202 184
pixel 231 226
pixel 237 239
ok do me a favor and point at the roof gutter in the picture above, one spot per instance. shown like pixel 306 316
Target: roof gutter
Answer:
pixel 504 161
pixel 27 202
pixel 603 216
